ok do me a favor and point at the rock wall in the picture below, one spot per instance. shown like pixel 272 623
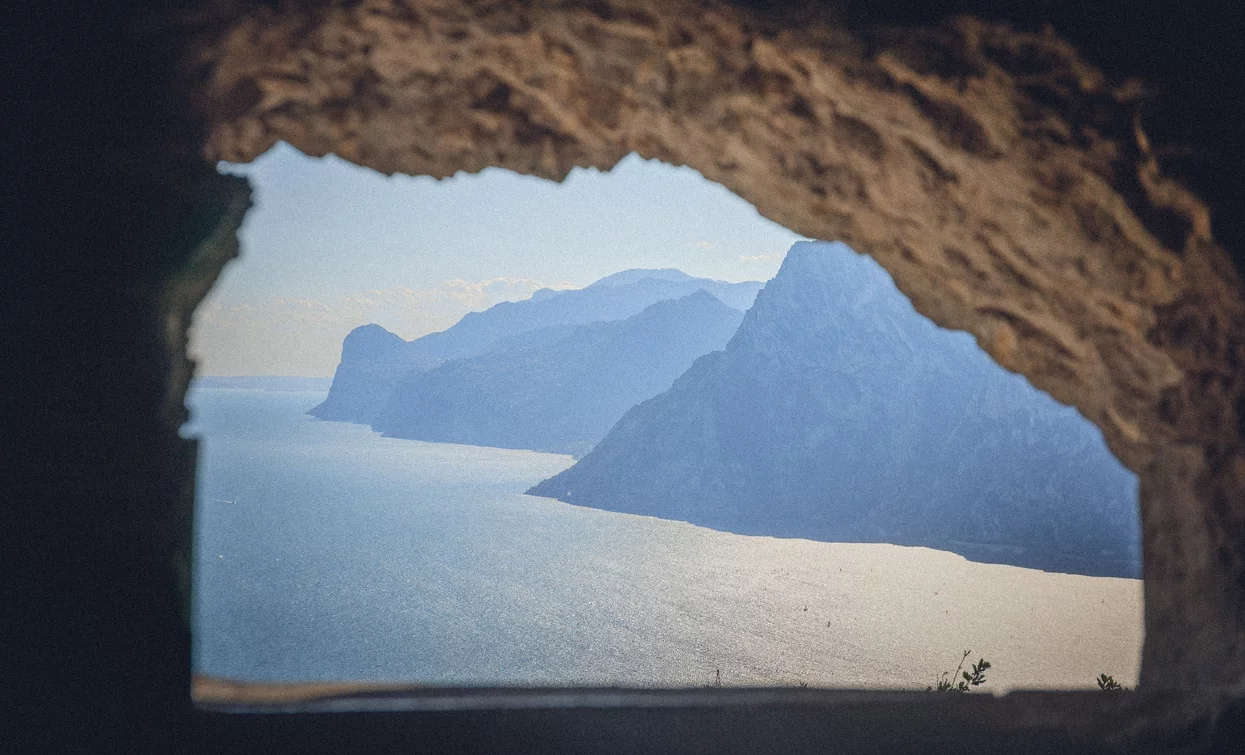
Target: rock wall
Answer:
pixel 1007 185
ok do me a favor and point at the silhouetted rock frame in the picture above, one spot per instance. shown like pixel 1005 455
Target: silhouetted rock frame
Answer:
pixel 1006 183
pixel 1055 241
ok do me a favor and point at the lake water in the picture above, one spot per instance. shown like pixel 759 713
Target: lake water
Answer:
pixel 325 552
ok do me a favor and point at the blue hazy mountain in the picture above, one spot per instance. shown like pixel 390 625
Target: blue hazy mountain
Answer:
pixel 374 360
pixel 263 383
pixel 837 412
pixel 558 390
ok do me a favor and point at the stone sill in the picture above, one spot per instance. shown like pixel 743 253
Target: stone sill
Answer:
pixel 690 719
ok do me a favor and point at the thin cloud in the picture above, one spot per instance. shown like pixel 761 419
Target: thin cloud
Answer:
pixel 758 258
pixel 254 337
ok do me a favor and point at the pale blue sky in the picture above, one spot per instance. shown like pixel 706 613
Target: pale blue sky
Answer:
pixel 329 246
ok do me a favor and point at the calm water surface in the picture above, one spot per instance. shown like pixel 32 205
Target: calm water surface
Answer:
pixel 325 552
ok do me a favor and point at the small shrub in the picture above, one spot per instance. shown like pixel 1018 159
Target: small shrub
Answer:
pixel 961 680
pixel 1106 683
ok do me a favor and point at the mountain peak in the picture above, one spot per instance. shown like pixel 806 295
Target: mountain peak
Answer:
pixel 821 263
pixel 371 367
pixel 699 302
pixel 837 412
pixel 370 341
pixel 572 386
pixel 699 297
pixel 626 277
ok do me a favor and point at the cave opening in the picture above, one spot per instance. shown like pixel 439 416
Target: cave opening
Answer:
pixel 1006 184
pixel 860 477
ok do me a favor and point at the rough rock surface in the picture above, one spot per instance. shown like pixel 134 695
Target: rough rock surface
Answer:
pixel 1005 184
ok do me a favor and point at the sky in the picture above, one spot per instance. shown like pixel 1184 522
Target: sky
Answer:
pixel 329 246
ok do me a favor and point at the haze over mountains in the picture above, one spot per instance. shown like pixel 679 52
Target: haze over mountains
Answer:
pixel 374 360
pixel 831 410
pixel 836 412
pixel 556 390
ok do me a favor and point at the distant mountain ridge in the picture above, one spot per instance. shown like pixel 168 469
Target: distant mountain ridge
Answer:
pixel 283 383
pixel 625 277
pixel 374 360
pixel 836 412
pixel 564 394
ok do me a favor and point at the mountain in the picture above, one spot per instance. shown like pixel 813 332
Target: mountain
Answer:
pixel 283 383
pixel 562 395
pixel 837 412
pixel 374 360
pixel 637 274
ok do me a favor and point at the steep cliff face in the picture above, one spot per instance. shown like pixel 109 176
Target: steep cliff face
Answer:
pixel 371 360
pixel 562 396
pixel 837 412
pixel 374 361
